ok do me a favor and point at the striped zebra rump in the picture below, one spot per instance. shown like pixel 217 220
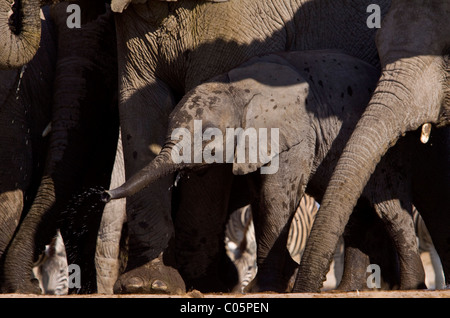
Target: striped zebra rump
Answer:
pixel 240 245
pixel 434 273
pixel 423 236
pixel 240 241
pixel 301 227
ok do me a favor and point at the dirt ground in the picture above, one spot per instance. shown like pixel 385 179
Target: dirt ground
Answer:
pixel 196 294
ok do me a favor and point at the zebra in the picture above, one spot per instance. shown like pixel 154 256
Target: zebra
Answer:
pixel 434 273
pixel 240 243
pixel 51 269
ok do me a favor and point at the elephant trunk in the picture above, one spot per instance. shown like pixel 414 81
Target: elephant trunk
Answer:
pixel 410 93
pixel 85 79
pixel 20 32
pixel 159 167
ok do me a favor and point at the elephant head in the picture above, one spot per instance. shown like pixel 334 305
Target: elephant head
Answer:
pixel 414 47
pixel 221 114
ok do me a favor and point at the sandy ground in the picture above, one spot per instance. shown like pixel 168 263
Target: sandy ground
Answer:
pixel 196 294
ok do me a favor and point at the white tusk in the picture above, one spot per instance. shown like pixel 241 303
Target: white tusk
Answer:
pixel 47 130
pixel 155 149
pixel 426 131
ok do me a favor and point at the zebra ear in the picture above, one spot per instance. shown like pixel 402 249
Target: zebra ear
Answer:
pixel 56 246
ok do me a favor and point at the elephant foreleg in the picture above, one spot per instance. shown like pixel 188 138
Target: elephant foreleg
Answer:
pixel 144 108
pixel 391 194
pixel 200 220
pixel 114 214
pixel 272 214
pixel 367 242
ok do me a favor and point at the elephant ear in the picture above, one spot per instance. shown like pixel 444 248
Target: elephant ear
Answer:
pixel 273 101
pixel 120 5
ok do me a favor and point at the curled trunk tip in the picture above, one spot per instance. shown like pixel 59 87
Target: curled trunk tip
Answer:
pixel 106 196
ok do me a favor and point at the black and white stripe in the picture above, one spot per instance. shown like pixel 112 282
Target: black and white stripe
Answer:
pixel 51 269
pixel 434 275
pixel 240 241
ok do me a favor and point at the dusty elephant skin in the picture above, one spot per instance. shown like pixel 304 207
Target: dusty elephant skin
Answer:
pixel 413 90
pixel 165 49
pixel 25 103
pixel 156 68
pixel 81 149
pixel 307 88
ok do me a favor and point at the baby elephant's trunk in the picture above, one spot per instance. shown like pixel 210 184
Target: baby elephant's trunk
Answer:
pixel 159 167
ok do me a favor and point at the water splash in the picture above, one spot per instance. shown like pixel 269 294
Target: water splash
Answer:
pixel 22 71
pixel 79 222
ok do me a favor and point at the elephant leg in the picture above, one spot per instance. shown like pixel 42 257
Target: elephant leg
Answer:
pixel 84 79
pixel 400 226
pixel 143 128
pixel 272 214
pixel 201 215
pixel 367 242
pixel 15 157
pixel 390 190
pixel 109 234
pixel 25 103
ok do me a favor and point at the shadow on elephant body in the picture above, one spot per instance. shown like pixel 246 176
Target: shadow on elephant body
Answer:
pixel 195 61
pixel 80 151
pixel 26 103
pixel 239 88
pixel 431 185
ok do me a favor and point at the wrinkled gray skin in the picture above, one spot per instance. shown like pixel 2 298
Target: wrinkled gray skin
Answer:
pixel 167 48
pixel 413 45
pixel 314 98
pixel 81 146
pixel 25 104
pixel 107 264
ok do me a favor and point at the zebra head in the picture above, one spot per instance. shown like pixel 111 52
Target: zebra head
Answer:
pixel 51 269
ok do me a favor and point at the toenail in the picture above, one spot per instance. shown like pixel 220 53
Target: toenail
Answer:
pixel 135 282
pixel 159 285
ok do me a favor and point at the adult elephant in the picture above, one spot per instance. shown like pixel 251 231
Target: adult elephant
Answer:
pixel 308 85
pixel 166 48
pixel 25 111
pixel 413 45
pixel 81 141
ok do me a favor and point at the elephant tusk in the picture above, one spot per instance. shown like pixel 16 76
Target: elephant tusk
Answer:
pixel 426 131
pixel 47 130
pixel 155 149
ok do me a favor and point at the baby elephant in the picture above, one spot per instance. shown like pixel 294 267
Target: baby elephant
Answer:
pixel 287 115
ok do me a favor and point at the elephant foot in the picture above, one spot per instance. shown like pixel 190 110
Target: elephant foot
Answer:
pixel 151 278
pixel 258 285
pixel 23 288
